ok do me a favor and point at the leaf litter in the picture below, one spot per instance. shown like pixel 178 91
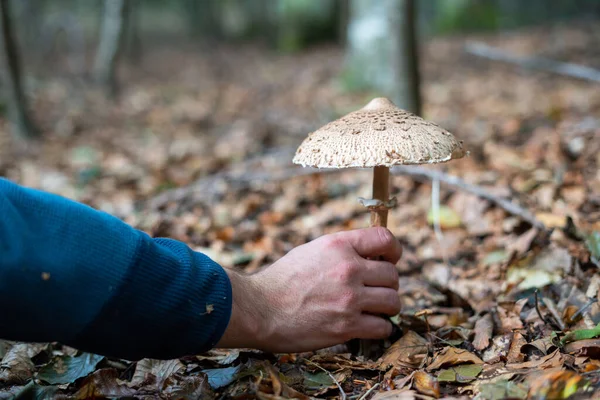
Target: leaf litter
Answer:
pixel 501 309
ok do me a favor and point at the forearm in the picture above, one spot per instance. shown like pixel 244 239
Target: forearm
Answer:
pixel 71 274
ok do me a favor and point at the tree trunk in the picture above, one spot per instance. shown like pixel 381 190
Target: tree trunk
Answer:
pixel 133 34
pixel 407 90
pixel 382 50
pixel 111 44
pixel 22 125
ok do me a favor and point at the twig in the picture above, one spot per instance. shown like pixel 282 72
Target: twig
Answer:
pixel 453 181
pixel 342 393
pixel 539 63
pixel 364 396
pixel 583 309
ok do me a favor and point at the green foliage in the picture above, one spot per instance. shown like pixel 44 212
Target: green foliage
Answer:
pixel 467 16
pixel 593 244
pixel 581 334
pixel 301 23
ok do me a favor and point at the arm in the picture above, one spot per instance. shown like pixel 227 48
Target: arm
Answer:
pixel 71 274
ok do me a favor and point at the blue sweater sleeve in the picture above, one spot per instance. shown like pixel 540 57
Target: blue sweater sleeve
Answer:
pixel 78 276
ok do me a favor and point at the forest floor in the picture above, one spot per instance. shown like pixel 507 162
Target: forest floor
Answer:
pixel 199 149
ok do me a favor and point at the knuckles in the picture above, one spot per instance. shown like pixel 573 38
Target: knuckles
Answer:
pixel 347 271
pixel 334 242
pixel 348 301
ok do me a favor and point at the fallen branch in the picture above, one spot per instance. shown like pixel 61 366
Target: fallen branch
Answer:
pixel 453 181
pixel 539 63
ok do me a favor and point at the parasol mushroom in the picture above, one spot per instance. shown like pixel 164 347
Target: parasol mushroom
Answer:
pixel 379 136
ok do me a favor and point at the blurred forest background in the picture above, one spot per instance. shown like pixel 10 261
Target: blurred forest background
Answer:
pixel 181 117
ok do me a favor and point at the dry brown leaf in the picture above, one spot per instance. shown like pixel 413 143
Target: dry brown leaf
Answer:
pixel 161 370
pixel 426 383
pixel 587 347
pixel 554 384
pixel 104 383
pixel 404 382
pixel 523 243
pixel 499 349
pixel 483 332
pixel 399 394
pixel 544 345
pixel 453 356
pixel 515 355
pixel 509 314
pixel 16 366
pixel 408 351
pixel 552 360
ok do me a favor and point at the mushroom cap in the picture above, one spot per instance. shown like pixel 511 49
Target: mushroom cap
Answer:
pixel 379 134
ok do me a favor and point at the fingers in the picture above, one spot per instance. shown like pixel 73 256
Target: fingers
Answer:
pixel 374 242
pixel 379 273
pixel 380 301
pixel 372 327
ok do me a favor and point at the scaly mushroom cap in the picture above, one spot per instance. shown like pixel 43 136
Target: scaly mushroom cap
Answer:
pixel 379 134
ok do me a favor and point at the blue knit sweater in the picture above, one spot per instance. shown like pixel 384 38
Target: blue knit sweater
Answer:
pixel 78 276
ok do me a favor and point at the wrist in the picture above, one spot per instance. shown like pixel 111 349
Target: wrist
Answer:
pixel 247 325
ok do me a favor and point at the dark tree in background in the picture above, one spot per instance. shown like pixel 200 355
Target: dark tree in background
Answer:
pixel 21 122
pixel 407 88
pixel 112 34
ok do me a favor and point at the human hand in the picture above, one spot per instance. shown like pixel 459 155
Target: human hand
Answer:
pixel 320 294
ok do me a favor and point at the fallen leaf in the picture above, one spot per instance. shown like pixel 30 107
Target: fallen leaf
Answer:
pixel 510 315
pixel 30 391
pixel 495 257
pixel 448 218
pixel 426 384
pixel 544 345
pixel 221 356
pixel 67 369
pixel 219 377
pixel 161 370
pixel 551 360
pixel 499 349
pixel 515 354
pixel 556 385
pixel 408 351
pixel 187 387
pixel 581 334
pixel 453 356
pixel 16 366
pixel 483 332
pixel 586 347
pixel 460 374
pixel 503 389
pixel 102 384
pixel 549 266
pixel 552 220
pixel 401 394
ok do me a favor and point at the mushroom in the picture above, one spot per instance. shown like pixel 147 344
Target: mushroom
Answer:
pixel 379 136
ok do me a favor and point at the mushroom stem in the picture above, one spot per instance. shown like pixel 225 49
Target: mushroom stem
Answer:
pixel 381 191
